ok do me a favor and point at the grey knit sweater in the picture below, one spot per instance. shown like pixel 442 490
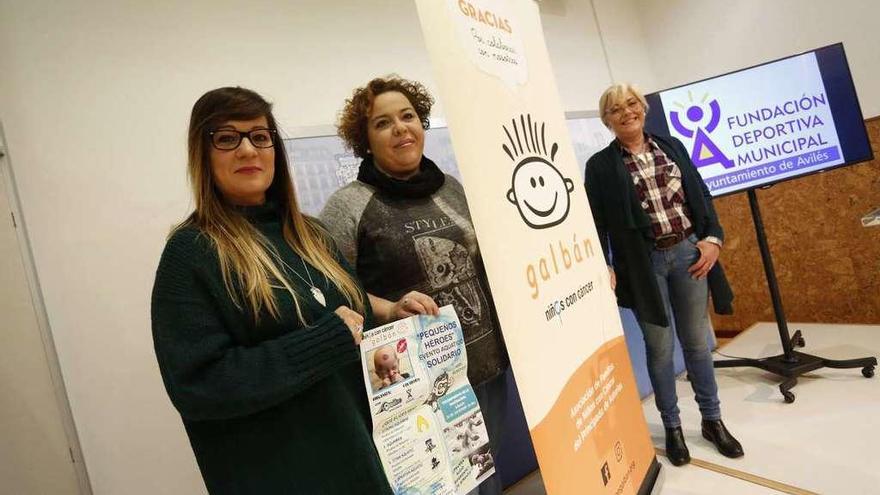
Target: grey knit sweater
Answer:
pixel 425 244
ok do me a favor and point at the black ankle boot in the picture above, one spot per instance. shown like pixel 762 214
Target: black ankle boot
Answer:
pixel 715 432
pixel 676 450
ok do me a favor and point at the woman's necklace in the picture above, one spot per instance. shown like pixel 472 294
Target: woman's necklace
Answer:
pixel 316 292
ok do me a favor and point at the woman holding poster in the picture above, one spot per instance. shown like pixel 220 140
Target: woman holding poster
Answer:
pixel 257 320
pixel 658 228
pixel 405 227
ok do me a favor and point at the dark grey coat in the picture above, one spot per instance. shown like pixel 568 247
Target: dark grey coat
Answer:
pixel 625 228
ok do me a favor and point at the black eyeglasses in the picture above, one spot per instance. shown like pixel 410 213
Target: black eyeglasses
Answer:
pixel 230 139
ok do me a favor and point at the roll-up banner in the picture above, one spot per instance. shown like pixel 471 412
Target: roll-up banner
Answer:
pixel 543 257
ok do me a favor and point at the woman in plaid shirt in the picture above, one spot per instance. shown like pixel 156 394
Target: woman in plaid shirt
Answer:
pixel 661 238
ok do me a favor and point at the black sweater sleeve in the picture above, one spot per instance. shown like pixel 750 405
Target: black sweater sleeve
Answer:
pixel 207 374
pixel 592 185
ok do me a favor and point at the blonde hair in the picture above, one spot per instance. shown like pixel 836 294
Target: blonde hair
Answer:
pixel 248 261
pixel 617 94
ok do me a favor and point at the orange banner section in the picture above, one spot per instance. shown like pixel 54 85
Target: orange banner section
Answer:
pixel 593 439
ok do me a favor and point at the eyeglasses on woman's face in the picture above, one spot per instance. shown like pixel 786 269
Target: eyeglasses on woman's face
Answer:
pixel 632 104
pixel 230 139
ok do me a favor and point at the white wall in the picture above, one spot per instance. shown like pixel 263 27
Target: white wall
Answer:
pixel 688 40
pixel 95 97
pixel 621 25
pixel 576 52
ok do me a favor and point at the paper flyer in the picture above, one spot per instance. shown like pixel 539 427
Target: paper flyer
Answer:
pixel 427 424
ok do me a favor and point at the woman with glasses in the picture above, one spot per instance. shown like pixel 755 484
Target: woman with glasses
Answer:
pixel 405 227
pixel 257 320
pixel 662 238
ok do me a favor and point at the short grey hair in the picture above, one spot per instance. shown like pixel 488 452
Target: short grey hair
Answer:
pixel 617 94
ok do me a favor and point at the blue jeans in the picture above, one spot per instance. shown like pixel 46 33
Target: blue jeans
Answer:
pixel 492 396
pixel 686 300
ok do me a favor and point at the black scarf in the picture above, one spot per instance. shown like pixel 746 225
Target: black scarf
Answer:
pixel 424 183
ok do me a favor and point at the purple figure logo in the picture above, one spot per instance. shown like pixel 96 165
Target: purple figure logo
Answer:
pixel 705 151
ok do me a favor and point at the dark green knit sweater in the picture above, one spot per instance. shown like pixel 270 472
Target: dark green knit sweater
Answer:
pixel 273 408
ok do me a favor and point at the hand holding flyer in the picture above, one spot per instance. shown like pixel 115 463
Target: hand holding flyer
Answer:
pixel 427 424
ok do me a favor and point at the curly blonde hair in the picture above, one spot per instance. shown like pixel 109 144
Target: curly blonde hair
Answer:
pixel 352 124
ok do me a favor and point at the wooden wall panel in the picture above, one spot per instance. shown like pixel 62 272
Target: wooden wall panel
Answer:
pixel 827 264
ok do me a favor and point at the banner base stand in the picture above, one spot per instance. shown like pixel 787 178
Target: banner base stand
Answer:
pixel 651 477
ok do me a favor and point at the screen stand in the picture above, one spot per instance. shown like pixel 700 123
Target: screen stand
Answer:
pixel 790 364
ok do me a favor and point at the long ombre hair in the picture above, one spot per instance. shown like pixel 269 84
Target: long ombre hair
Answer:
pixel 248 261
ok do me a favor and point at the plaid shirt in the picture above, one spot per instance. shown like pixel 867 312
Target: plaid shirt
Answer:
pixel 657 180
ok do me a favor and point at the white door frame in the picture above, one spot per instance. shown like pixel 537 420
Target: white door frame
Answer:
pixel 7 180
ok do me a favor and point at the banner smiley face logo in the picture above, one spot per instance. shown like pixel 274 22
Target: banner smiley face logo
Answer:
pixel 538 189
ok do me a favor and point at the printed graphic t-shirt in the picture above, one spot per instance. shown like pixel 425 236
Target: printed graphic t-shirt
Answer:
pixel 424 244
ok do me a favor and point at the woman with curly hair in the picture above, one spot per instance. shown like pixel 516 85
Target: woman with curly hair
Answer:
pixel 405 227
pixel 257 320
